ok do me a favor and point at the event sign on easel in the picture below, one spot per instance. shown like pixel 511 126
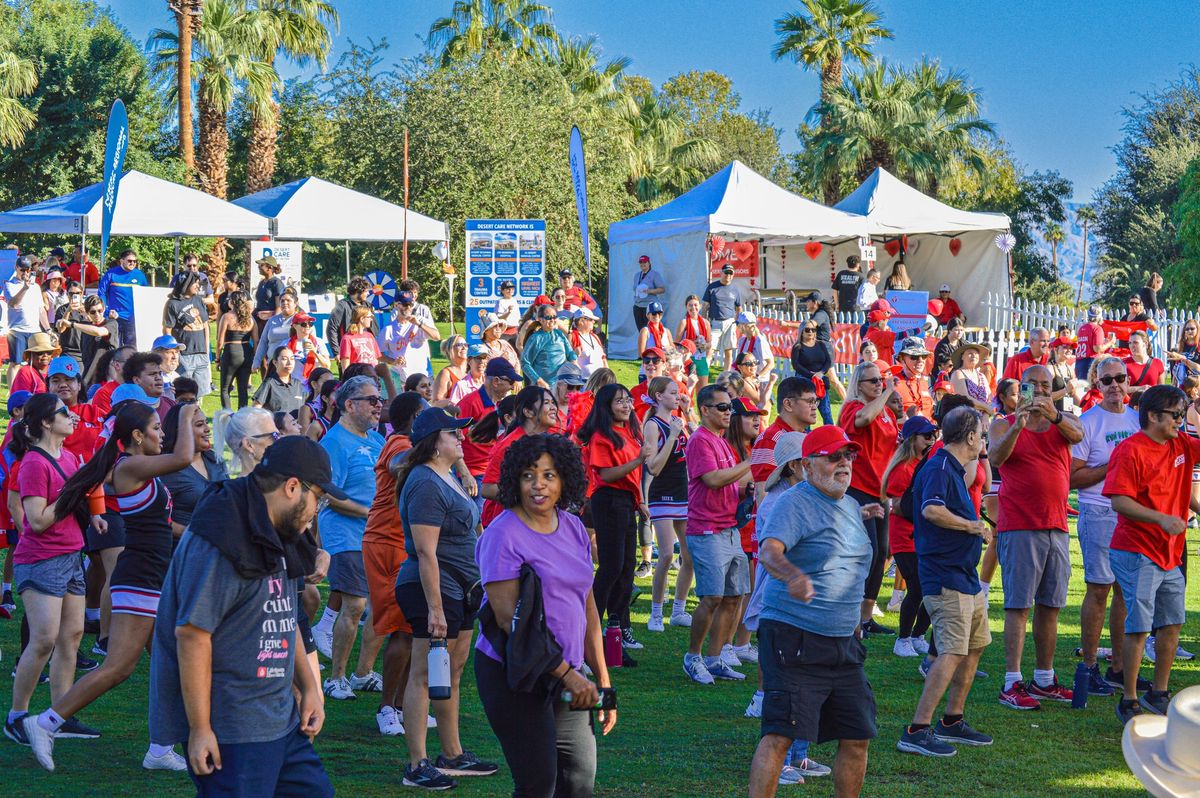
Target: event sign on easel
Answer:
pixel 290 255
pixel 499 250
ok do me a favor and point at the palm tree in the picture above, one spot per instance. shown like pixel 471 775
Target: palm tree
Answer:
pixel 18 78
pixel 300 31
pixel 1054 236
pixel 824 36
pixel 476 26
pixel 187 17
pixel 578 60
pixel 659 155
pixel 1086 216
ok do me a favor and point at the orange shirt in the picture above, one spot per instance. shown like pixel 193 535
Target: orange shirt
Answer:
pixel 383 519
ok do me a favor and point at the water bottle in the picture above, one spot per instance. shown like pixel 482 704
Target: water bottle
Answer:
pixel 439 670
pixel 613 650
pixel 1083 677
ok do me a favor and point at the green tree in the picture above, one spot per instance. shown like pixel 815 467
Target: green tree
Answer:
pixel 661 159
pixel 477 26
pixel 1086 216
pixel 1054 236
pixel 18 78
pixel 578 61
pixel 1183 275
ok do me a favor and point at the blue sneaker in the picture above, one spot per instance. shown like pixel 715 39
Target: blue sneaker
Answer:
pixel 923 667
pixel 923 742
pixel 1096 683
pixel 960 733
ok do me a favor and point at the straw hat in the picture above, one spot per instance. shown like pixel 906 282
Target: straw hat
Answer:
pixel 41 342
pixel 1163 751
pixel 957 356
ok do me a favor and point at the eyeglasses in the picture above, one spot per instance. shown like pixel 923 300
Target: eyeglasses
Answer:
pixel 374 400
pixel 809 400
pixel 624 400
pixel 272 435
pixel 847 454
pixel 1111 378
pixel 721 407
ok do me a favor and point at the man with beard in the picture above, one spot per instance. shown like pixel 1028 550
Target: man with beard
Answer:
pixel 225 645
pixel 816 552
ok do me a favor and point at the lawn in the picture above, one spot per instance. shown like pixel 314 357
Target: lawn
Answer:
pixel 673 738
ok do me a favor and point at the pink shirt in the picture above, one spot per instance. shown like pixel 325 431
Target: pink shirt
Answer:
pixel 709 510
pixel 360 348
pixel 37 477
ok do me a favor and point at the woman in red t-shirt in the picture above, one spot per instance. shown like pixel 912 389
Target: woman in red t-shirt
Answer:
pixel 613 453
pixel 917 437
pixel 532 412
pixel 869 423
pixel 1143 369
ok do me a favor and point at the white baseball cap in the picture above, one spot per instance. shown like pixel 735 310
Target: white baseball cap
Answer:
pixel 746 317
pixel 945 287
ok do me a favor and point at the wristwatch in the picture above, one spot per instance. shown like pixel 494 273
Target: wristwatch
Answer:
pixel 1057 419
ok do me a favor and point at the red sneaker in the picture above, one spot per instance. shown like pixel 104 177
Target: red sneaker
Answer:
pixel 1055 692
pixel 1016 697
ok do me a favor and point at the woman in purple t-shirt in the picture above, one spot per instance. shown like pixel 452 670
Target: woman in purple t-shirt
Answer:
pixel 543 736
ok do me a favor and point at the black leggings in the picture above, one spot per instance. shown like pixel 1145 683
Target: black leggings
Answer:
pixel 550 750
pixel 877 532
pixel 614 514
pixel 914 620
pixel 235 365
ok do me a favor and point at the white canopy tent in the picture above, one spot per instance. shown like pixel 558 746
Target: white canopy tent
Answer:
pixel 973 266
pixel 737 204
pixel 146 206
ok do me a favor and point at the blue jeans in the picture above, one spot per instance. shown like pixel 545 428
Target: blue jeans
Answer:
pixel 285 768
pixel 824 408
pixel 128 332
pixel 797 753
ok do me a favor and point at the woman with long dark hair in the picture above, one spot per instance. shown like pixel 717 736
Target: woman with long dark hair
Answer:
pixel 316 403
pixel 132 462
pixel 614 452
pixel 667 499
pixel 282 389
pixel 433 587
pixel 547 739
pixel 187 485
pixel 534 412
pixel 108 375
pixel 47 569
pixel 186 317
pixel 237 335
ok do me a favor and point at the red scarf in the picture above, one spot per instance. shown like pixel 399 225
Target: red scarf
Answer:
pixel 656 330
pixel 694 328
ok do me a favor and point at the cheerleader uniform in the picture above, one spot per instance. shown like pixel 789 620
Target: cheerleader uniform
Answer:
pixel 668 492
pixel 141 568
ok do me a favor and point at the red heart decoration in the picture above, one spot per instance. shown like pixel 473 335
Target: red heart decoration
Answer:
pixel 891 247
pixel 955 246
pixel 718 244
pixel 813 248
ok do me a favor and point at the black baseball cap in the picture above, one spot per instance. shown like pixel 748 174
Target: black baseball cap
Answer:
pixel 24 262
pixel 566 273
pixel 303 458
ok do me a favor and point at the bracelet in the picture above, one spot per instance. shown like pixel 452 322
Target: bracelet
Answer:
pixel 1057 419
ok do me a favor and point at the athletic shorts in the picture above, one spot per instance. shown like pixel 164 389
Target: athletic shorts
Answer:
pixel 1035 567
pixel 959 621
pixel 57 576
pixel 347 574
pixel 114 538
pixel 1095 528
pixel 815 687
pixel 410 598
pixel 719 564
pixel 381 562
pixel 132 600
pixel 724 337
pixel 18 342
pixel 1153 597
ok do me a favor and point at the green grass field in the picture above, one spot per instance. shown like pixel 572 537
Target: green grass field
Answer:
pixel 673 738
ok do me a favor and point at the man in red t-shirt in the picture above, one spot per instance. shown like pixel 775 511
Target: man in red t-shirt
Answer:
pixel 912 381
pixel 950 308
pixel 498 380
pixel 796 403
pixel 82 271
pixel 1032 449
pixel 1150 483
pixel 577 296
pixel 1091 342
pixel 1038 354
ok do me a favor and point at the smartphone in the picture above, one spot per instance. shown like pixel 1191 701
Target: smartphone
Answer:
pixel 1026 394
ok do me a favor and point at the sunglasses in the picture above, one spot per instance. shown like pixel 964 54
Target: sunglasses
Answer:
pixel 749 362
pixel 272 435
pixel 873 380
pixel 374 400
pixel 721 407
pixel 63 411
pixel 1111 378
pixel 1178 415
pixel 550 318
pixel 650 360
pixel 847 454
pixel 304 324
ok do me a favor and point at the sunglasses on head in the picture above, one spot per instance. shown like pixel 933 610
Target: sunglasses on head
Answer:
pixel 1111 378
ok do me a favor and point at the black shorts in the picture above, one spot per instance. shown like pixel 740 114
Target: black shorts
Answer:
pixel 410 597
pixel 11 536
pixel 815 688
pixel 305 628
pixel 114 538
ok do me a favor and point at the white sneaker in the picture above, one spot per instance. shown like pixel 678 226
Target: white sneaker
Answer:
pixel 655 624
pixel 339 689
pixel 919 644
pixel 681 619
pixel 1150 653
pixel 747 654
pixel 718 668
pixel 40 740
pixel 371 683
pixel 754 710
pixel 697 671
pixel 388 721
pixel 790 775
pixel 430 722
pixel 323 638
pixel 896 600
pixel 876 612
pixel 903 647
pixel 168 761
pixel 729 657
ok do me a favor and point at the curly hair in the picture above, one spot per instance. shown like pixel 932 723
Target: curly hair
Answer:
pixel 526 451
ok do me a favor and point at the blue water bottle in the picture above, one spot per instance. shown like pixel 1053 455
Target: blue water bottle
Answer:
pixel 1083 677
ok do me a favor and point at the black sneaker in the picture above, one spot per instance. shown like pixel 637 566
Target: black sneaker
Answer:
pixel 85 664
pixel 1097 684
pixel 960 733
pixel 627 661
pixel 16 732
pixel 1117 681
pixel 629 641
pixel 644 570
pixel 872 628
pixel 924 743
pixel 74 729
pixel 466 764
pixel 427 777
pixel 1127 709
pixel 1155 701
pixel 43 679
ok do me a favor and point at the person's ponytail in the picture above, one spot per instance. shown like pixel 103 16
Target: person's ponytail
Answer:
pixel 131 416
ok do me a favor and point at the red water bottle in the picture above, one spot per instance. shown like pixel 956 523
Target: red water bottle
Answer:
pixel 614 652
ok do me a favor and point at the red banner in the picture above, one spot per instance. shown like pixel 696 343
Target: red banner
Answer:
pixel 783 334
pixel 741 255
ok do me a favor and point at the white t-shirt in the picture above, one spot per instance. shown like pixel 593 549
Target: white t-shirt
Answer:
pixel 591 354
pixel 1102 431
pixel 407 340
pixel 25 316
pixel 509 312
pixel 867 294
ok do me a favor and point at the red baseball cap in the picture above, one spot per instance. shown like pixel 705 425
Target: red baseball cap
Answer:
pixel 644 259
pixel 302 318
pixel 827 440
pixel 744 407
pixel 1063 340
pixel 654 350
pixel 878 315
pixel 542 299
pixel 882 304
pixel 686 343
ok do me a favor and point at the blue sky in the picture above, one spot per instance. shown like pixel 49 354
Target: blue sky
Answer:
pixel 1053 75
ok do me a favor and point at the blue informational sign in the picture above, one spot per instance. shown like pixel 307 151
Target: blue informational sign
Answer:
pixel 116 144
pixel 909 309
pixel 500 249
pixel 8 264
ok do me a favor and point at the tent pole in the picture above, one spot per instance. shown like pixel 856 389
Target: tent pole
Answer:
pixel 347 263
pixel 177 263
pixel 404 248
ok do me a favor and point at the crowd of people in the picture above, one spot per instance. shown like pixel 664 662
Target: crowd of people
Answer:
pixel 524 486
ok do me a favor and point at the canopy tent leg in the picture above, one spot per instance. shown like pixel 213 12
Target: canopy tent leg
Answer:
pixel 347 263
